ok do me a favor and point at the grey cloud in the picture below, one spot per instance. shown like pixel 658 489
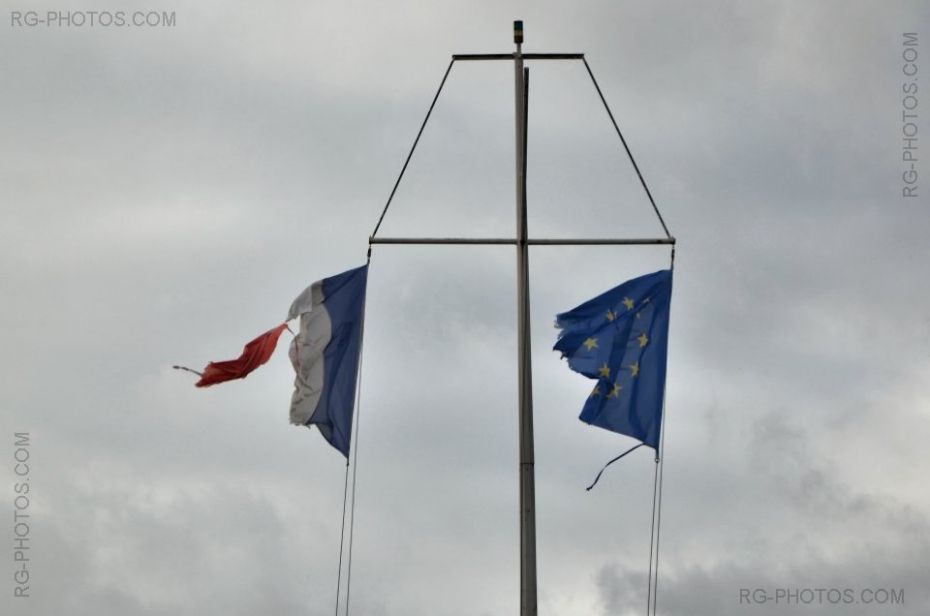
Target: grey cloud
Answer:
pixel 166 194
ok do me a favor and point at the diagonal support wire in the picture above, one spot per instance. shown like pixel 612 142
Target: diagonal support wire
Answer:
pixel 626 147
pixel 600 94
pixel 414 147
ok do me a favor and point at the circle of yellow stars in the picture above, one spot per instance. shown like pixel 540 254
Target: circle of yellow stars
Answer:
pixel 604 370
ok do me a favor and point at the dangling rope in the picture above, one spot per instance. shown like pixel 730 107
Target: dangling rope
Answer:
pixel 601 472
pixel 410 154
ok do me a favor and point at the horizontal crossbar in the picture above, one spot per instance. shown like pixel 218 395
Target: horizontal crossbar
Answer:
pixel 603 242
pixel 510 56
pixel 531 242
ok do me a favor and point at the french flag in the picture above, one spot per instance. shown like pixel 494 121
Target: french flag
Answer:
pixel 325 354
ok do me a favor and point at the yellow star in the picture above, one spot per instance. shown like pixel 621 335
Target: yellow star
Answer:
pixel 628 303
pixel 615 392
pixel 590 343
pixel 596 391
pixel 643 340
pixel 611 315
pixel 604 371
pixel 635 369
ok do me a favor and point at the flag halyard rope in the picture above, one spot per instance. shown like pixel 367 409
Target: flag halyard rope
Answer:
pixel 652 596
pixel 355 448
pixel 658 524
pixel 342 536
pixel 652 534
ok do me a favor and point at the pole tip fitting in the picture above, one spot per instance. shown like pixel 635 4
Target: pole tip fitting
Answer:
pixel 518 31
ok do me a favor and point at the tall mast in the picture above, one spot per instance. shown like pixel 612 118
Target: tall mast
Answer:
pixel 522 243
pixel 525 383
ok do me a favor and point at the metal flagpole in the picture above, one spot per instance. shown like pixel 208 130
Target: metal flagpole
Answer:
pixel 522 242
pixel 524 369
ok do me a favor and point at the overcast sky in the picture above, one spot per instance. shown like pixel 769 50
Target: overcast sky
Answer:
pixel 167 191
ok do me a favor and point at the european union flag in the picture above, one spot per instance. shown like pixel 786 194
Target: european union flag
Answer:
pixel 620 338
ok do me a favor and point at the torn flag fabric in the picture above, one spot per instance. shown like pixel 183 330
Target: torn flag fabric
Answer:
pixel 325 354
pixel 255 353
pixel 620 338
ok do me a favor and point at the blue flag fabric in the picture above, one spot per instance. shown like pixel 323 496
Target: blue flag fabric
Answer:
pixel 620 338
pixel 325 354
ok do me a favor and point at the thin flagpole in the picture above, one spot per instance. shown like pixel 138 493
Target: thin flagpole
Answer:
pixel 524 370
